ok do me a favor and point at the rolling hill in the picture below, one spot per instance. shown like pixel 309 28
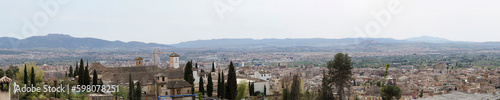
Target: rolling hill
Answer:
pixel 68 42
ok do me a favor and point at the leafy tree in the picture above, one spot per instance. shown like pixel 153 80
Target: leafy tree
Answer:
pixel 2 73
pixel 242 90
pixel 213 66
pixel 201 88
pixel 210 86
pixel 378 83
pixel 130 88
pixel 9 73
pixel 231 83
pixel 122 92
pixel 326 92
pixel 94 78
pixel 388 92
pixel 138 91
pixel 27 70
pixel 340 73
pixel 295 93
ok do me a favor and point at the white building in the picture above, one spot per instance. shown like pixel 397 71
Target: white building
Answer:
pixel 262 75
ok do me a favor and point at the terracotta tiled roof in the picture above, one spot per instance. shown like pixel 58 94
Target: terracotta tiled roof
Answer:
pixel 5 79
pixel 97 66
pixel 144 74
pixel 174 55
pixel 178 84
pixel 171 74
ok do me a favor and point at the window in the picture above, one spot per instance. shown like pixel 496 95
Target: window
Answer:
pixel 161 85
pixel 166 93
pixel 179 91
pixel 162 78
pixel 188 91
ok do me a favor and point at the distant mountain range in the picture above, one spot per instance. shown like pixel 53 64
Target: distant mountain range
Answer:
pixel 313 42
pixel 68 42
pixel 428 39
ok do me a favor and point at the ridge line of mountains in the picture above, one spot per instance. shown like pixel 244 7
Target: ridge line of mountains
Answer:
pixel 69 42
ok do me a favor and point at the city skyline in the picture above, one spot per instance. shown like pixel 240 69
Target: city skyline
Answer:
pixel 171 22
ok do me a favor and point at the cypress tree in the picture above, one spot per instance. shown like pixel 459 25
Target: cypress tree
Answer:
pixel 210 85
pixel 265 90
pixel 87 75
pixel 421 93
pixel 130 88
pixel 33 76
pixel 286 96
pixel 70 71
pixel 25 75
pixel 218 87
pixel 223 86
pixel 94 78
pixel 213 66
pixel 253 89
pixel 295 92
pixel 250 88
pixel 201 88
pixel 196 65
pixel 81 78
pixel 188 71
pixel 76 70
pixel 138 92
pixel 231 83
pixel 191 80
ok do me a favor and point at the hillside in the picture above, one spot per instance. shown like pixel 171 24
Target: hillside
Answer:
pixel 68 42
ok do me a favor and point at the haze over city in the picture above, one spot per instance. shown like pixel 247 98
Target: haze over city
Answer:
pixel 250 50
pixel 171 21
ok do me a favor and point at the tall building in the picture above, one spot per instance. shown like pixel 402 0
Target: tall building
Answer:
pixel 174 60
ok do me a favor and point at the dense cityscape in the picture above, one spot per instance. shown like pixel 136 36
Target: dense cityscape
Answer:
pixel 249 50
pixel 418 74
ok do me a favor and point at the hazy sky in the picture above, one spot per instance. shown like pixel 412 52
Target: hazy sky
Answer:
pixel 174 21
